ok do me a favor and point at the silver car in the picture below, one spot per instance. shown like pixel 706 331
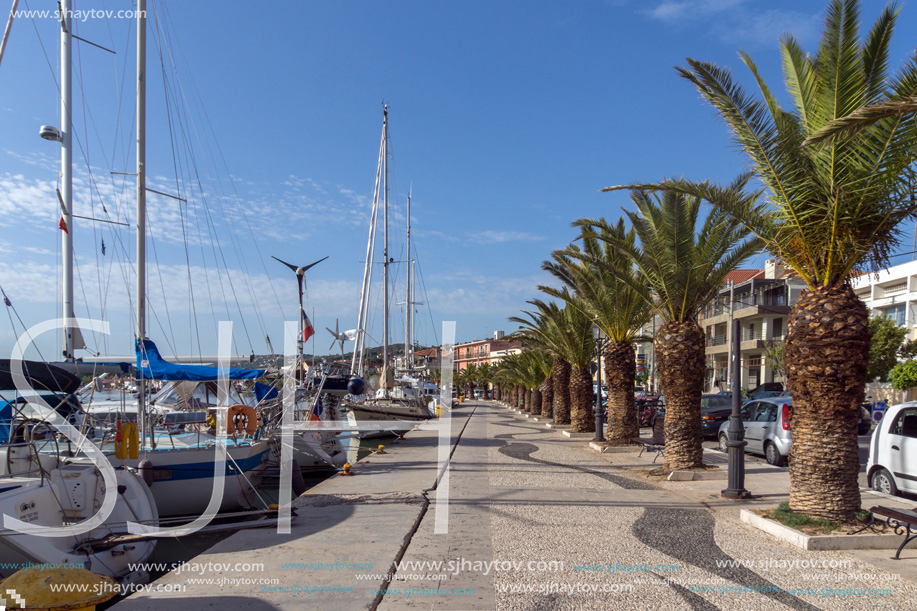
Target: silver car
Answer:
pixel 767 429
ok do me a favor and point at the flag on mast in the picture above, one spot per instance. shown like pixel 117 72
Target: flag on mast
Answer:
pixel 307 330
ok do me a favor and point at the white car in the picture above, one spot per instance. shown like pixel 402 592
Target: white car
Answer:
pixel 892 464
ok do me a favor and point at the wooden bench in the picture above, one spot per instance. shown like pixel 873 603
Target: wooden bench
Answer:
pixel 901 520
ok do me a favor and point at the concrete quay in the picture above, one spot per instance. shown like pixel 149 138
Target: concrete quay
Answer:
pixel 535 520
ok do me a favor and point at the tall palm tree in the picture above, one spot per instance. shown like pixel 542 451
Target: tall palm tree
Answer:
pixel 833 207
pixel 470 377
pixel 543 328
pixel 678 272
pixel 485 376
pixel 571 334
pixel 615 307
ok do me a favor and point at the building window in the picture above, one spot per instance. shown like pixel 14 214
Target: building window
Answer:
pixel 897 313
pixel 778 328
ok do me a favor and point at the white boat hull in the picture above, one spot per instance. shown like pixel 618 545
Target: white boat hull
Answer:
pixel 79 489
pixel 183 477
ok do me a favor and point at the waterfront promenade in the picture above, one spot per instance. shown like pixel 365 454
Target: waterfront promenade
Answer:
pixel 536 521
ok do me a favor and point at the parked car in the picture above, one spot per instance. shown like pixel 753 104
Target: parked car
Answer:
pixel 768 389
pixel 767 428
pixel 714 410
pixel 892 464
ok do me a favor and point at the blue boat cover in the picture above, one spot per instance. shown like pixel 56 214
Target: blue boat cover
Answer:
pixel 6 421
pixel 264 391
pixel 151 366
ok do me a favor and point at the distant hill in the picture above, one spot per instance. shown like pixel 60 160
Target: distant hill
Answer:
pixel 373 356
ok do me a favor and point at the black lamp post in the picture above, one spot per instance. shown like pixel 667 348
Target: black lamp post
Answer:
pixel 599 336
pixel 736 431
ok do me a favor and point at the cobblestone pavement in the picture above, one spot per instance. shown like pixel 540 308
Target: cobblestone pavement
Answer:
pixel 569 531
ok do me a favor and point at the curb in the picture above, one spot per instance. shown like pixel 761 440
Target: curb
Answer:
pixel 820 542
pixel 697 476
pixel 576 435
pixel 598 447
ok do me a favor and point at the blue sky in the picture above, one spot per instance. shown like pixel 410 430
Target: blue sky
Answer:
pixel 506 118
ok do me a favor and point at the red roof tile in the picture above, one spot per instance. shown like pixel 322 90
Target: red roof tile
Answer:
pixel 742 275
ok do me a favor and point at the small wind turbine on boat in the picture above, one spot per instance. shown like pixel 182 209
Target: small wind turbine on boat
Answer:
pixel 300 278
pixel 346 336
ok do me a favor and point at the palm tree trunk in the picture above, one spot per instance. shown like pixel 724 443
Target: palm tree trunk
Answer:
pixel 547 398
pixel 536 401
pixel 519 402
pixel 620 373
pixel 528 400
pixel 827 353
pixel 680 352
pixel 582 418
pixel 560 371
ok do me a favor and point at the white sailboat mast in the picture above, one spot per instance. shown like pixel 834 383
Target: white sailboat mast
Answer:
pixel 385 329
pixel 408 345
pixel 356 364
pixel 141 197
pixel 67 177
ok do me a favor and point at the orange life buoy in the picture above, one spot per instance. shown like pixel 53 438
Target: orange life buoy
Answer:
pixel 241 417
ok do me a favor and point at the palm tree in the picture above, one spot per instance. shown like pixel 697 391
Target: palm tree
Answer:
pixel 471 374
pixel 833 207
pixel 571 332
pixel 485 376
pixel 544 329
pixel 677 274
pixel 616 308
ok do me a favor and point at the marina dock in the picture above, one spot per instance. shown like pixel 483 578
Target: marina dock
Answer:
pixel 536 520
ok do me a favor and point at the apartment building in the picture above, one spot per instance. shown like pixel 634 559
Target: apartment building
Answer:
pixel 892 292
pixel 485 351
pixel 761 300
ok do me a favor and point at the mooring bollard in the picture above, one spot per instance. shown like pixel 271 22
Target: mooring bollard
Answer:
pixel 381 450
pixel 35 588
pixel 346 469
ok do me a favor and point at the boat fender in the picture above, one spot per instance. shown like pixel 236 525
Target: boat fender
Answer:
pixel 241 417
pixel 356 386
pixel 145 468
pixel 299 484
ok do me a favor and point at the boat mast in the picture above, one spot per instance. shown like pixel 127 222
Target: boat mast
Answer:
pixel 67 177
pixel 356 363
pixel 385 330
pixel 408 364
pixel 141 201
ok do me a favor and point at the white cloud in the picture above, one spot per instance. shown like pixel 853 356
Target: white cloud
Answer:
pixel 737 22
pixel 675 10
pixel 491 236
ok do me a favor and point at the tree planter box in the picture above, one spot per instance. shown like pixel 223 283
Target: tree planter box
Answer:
pixel 599 447
pixel 696 476
pixel 576 435
pixel 820 542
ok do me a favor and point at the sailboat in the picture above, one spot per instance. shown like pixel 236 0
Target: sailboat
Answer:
pixel 181 469
pixel 395 399
pixel 42 487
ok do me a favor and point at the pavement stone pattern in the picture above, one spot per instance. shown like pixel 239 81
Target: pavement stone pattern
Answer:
pixel 581 522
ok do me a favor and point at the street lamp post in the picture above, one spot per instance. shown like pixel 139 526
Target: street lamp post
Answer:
pixel 736 431
pixel 599 417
